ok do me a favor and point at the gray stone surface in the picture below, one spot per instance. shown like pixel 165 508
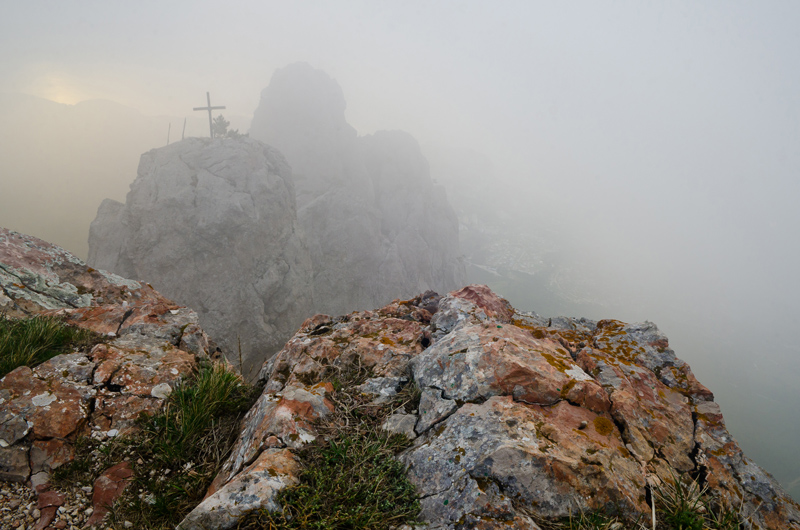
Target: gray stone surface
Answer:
pixel 377 226
pixel 212 224
pixel 14 465
pixel 401 424
pixel 252 489
pixel 433 409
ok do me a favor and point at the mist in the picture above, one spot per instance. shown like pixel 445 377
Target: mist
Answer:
pixel 637 162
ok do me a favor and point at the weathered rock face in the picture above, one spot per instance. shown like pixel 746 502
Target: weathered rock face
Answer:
pixel 151 344
pixel 376 225
pixel 520 416
pixel 212 224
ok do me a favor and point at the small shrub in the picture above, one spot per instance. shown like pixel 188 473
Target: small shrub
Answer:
pixel 32 341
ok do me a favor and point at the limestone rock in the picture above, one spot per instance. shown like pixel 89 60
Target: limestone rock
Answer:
pixel 107 488
pixel 376 225
pixel 212 224
pixel 100 391
pixel 521 418
pixel 400 423
pixel 14 463
pixel 433 409
pixel 252 489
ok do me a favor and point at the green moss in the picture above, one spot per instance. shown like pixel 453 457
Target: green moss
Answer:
pixel 603 426
pixel 556 363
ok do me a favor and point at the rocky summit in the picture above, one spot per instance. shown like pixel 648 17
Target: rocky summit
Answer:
pixel 221 226
pixel 520 419
pixel 213 224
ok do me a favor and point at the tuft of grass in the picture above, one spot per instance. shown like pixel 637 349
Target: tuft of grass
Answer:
pixel 175 455
pixel 584 521
pixel 351 478
pixel 682 504
pixel 32 341
pixel 686 506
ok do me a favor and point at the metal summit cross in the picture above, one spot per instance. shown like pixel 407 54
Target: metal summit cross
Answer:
pixel 209 108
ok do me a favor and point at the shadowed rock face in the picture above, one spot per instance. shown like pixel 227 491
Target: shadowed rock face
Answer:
pixel 520 416
pixel 212 224
pixel 375 224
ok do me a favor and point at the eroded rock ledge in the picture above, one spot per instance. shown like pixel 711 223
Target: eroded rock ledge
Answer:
pixel 520 416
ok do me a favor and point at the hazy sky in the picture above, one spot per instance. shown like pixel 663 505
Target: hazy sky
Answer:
pixel 665 136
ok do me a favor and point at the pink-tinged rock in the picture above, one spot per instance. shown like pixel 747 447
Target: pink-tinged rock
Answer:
pixel 48 504
pixel 254 488
pixel 107 488
pixel 73 367
pixel 114 410
pixel 140 374
pixel 38 276
pixel 484 454
pixel 485 360
pixel 383 345
pixel 47 455
pixel 644 345
pixel 54 409
pixel 655 416
pixel 108 359
pixel 495 307
pixel 288 418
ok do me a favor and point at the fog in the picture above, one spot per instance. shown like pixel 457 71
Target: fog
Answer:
pixel 648 154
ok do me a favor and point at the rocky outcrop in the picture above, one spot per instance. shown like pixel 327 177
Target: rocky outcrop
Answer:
pixel 521 418
pixel 212 224
pixel 148 345
pixel 376 225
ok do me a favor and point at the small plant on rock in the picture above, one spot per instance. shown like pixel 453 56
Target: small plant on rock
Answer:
pixel 32 341
pixel 351 479
pixel 176 453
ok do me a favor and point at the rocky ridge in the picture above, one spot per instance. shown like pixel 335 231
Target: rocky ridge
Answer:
pixel 521 418
pixel 150 344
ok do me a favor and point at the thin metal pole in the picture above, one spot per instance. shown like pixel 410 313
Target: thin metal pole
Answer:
pixel 210 127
